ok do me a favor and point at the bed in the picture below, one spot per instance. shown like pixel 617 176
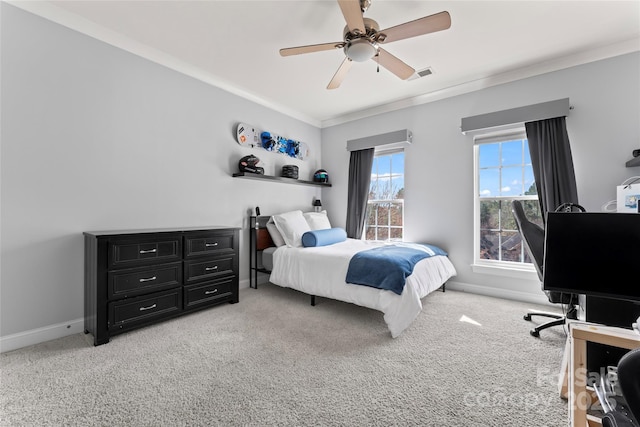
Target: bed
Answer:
pixel 322 271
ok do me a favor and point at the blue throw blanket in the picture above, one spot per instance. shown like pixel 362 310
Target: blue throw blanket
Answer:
pixel 388 267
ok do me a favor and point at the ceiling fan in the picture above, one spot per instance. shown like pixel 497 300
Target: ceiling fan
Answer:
pixel 362 40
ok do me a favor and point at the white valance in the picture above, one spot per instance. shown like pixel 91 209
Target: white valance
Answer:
pixel 508 118
pixel 390 140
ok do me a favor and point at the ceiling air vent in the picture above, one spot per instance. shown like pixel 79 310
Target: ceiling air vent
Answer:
pixel 421 73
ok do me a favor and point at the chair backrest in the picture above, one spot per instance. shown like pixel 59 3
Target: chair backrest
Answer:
pixel 533 240
pixel 532 236
pixel 629 378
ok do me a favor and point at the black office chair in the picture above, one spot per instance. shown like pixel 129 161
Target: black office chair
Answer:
pixel 533 240
pixel 625 414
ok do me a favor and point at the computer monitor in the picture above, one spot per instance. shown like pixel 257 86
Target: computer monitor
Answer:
pixel 593 253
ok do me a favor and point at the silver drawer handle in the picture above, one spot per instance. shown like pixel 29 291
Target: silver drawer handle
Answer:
pixel 211 244
pixel 148 308
pixel 211 292
pixel 148 279
pixel 215 267
pixel 149 251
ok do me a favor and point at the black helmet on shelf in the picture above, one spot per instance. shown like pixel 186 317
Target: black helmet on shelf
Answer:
pixel 249 164
pixel 321 175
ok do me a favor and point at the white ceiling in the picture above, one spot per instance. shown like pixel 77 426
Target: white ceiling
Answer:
pixel 235 44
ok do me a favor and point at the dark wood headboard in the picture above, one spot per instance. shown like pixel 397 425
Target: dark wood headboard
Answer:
pixel 264 240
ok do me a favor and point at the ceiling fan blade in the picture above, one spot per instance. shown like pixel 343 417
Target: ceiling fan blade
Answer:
pixel 310 48
pixel 340 74
pixel 353 15
pixel 393 64
pixel 428 24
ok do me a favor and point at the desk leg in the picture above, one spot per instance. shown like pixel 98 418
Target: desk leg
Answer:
pixel 563 379
pixel 579 398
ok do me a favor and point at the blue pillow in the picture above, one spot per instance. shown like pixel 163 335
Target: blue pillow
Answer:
pixel 325 237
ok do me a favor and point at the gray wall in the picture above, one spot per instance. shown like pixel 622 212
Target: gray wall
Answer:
pixel 603 127
pixel 95 138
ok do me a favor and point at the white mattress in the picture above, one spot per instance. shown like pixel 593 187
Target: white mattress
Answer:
pixel 322 270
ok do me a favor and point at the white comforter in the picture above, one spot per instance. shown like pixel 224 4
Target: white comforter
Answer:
pixel 322 270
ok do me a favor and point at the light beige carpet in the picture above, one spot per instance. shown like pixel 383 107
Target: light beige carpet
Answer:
pixel 273 359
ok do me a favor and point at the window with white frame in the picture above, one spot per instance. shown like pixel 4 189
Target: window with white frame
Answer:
pixel 503 174
pixel 385 206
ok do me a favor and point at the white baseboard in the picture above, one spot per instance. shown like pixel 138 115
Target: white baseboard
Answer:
pixel 499 293
pixel 47 333
pixel 261 280
pixel 36 336
pixel 538 298
pixel 52 332
pixel 243 284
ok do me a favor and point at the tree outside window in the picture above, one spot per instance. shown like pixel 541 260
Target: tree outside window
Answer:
pixel 385 205
pixel 504 174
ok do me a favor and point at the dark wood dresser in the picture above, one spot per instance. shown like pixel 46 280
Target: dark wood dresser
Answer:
pixel 135 278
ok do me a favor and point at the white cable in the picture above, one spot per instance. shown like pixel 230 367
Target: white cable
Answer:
pixel 630 180
pixel 612 205
pixel 607 207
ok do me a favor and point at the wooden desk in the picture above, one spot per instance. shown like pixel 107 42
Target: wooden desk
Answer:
pixel 579 334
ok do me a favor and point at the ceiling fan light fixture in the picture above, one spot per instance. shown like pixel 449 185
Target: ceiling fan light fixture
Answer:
pixel 360 50
pixel 362 40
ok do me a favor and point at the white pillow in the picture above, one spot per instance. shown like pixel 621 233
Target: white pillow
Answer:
pixel 317 220
pixel 277 238
pixel 292 226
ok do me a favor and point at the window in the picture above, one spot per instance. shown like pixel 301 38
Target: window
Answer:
pixel 385 206
pixel 503 174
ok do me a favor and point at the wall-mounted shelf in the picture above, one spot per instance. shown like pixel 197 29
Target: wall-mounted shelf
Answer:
pixel 259 177
pixel 633 162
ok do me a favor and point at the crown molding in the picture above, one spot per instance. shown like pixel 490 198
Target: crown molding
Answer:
pixel 557 64
pixel 49 11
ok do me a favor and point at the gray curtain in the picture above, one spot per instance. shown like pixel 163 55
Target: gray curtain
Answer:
pixel 552 163
pixel 359 179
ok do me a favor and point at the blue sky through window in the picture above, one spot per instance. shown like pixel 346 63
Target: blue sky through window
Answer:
pixel 505 168
pixel 387 175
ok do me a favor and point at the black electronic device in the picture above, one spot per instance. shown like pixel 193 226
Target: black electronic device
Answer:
pixel 290 171
pixel 257 210
pixel 593 253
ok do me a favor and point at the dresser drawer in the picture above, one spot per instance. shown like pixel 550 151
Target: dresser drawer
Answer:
pixel 134 278
pixel 208 292
pixel 124 253
pixel 208 269
pixel 142 309
pixel 136 281
pixel 212 243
